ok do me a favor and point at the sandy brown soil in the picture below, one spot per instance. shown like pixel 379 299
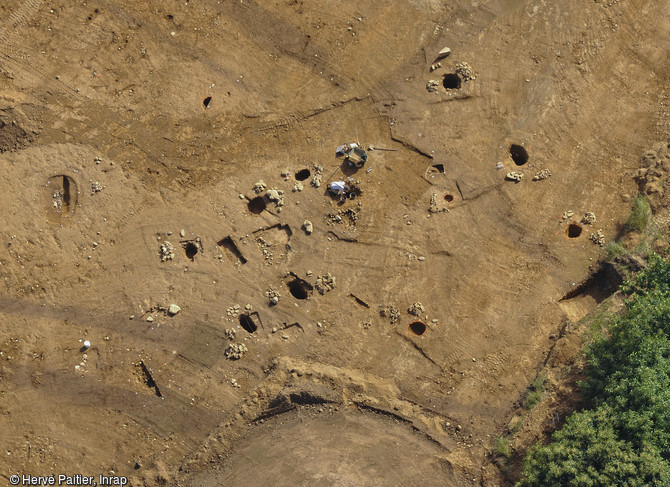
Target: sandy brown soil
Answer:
pixel 108 151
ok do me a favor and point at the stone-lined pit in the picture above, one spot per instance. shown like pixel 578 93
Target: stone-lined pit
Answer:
pixel 302 174
pixel 257 205
pixel 417 328
pixel 519 154
pixel 574 230
pixel 300 289
pixel 452 81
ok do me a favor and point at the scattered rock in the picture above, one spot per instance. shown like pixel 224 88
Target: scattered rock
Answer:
pixel 435 66
pixel 598 238
pixel 298 187
pixel 416 309
pixel 390 312
pixel 236 351
pixel 568 214
pixel 589 218
pixel 166 251
pixel 308 227
pixel 259 187
pixel 542 175
pixel 325 283
pixel 514 176
pixel 173 309
pixel 182 232
pixel 150 319
pixel 273 295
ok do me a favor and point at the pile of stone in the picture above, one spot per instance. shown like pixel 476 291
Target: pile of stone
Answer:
pixel 298 187
pixel 275 195
pixel 318 175
pixel 466 72
pixel 166 251
pixel 259 187
pixel 230 333
pixel 236 351
pixel 432 85
pixel 233 311
pixel 308 227
pixel 273 295
pixel 325 283
pixel 390 312
pixel 514 176
pixel 589 218
pixel 96 187
pixel 58 200
pixel 598 238
pixel 416 309
pixel 542 175
pixel 568 214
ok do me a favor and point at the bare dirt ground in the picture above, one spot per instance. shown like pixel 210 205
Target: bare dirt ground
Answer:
pixel 124 123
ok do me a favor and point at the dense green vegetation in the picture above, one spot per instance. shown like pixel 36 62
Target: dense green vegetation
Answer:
pixel 623 437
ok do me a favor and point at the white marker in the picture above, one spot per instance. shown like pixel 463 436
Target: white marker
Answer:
pixel 87 344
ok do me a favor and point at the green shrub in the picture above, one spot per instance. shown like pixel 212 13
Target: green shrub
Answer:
pixel 535 391
pixel 640 214
pixel 501 447
pixel 624 438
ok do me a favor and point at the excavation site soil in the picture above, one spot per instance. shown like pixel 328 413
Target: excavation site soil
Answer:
pixel 185 302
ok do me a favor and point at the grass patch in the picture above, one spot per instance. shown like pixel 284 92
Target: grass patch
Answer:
pixel 535 391
pixel 501 447
pixel 615 249
pixel 640 214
